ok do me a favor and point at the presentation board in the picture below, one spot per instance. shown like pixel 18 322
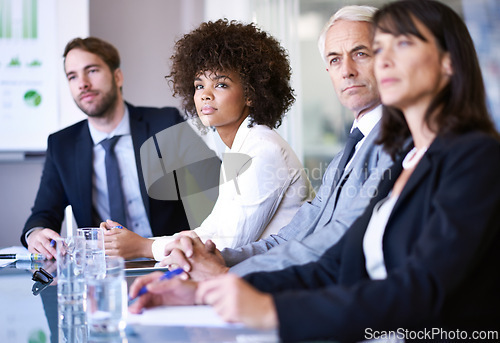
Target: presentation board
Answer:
pixel 29 63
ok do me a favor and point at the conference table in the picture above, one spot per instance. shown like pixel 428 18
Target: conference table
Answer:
pixel 29 313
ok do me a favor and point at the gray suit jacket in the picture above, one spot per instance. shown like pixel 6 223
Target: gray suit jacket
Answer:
pixel 320 224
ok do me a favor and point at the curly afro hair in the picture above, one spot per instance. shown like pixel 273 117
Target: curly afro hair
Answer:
pixel 257 57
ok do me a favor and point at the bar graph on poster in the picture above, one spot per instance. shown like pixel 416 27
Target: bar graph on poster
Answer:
pixel 28 74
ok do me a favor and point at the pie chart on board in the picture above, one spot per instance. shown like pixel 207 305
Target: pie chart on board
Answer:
pixel 32 98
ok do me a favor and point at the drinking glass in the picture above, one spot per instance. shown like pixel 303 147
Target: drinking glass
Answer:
pixel 95 266
pixel 71 290
pixel 107 299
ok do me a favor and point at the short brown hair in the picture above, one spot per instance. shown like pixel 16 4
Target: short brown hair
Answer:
pixel 107 52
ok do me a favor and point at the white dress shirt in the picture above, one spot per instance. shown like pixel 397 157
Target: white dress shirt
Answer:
pixel 258 201
pixel 137 219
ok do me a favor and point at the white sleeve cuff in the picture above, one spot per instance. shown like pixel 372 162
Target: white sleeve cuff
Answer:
pixel 30 231
pixel 158 247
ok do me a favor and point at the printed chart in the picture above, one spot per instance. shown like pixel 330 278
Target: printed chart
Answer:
pixel 29 66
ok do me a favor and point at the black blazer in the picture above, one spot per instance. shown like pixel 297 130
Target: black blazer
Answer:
pixel 441 250
pixel 67 176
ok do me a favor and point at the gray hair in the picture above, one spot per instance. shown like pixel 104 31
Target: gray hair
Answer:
pixel 349 13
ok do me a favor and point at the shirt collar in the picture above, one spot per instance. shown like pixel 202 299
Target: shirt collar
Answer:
pixel 368 121
pixel 122 129
pixel 241 134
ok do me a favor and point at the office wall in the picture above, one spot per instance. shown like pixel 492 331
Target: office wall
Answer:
pixel 18 184
pixel 144 32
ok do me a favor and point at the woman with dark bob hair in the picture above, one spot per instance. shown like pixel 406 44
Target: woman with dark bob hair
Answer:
pixel 423 261
pixel 236 79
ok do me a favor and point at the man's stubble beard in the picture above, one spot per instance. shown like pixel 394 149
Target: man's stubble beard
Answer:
pixel 104 107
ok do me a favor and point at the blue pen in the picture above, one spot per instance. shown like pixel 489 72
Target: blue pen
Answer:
pixel 117 227
pixel 166 276
pixel 52 243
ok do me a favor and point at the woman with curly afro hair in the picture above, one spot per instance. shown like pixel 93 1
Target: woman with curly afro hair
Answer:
pixel 236 79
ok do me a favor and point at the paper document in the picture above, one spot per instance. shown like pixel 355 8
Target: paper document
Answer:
pixel 14 250
pixel 203 316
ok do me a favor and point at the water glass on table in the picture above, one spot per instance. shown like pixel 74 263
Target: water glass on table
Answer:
pixel 71 290
pixel 94 251
pixel 107 300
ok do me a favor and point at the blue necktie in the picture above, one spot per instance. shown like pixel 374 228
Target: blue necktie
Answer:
pixel 115 191
pixel 354 137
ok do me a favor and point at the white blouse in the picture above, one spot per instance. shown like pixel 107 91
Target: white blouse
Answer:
pixel 374 235
pixel 259 193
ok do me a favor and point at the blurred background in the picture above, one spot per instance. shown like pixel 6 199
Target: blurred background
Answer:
pixel 35 100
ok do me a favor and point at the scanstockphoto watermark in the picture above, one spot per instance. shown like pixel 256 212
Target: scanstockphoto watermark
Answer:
pixel 431 334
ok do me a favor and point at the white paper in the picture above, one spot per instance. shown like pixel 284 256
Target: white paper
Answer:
pixel 201 316
pixel 14 250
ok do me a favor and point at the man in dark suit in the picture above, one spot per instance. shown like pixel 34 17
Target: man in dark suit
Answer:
pixel 75 173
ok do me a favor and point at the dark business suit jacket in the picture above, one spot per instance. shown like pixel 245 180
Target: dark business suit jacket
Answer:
pixel 441 249
pixel 67 176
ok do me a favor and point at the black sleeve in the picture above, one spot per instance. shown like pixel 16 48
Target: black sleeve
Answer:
pixel 50 201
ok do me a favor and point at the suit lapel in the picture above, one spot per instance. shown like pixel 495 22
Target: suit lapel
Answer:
pixel 423 167
pixel 327 207
pixel 83 166
pixel 388 179
pixel 139 133
pixel 359 163
pixel 421 170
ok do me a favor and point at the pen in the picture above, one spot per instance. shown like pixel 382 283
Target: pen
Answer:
pixel 23 257
pixel 167 275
